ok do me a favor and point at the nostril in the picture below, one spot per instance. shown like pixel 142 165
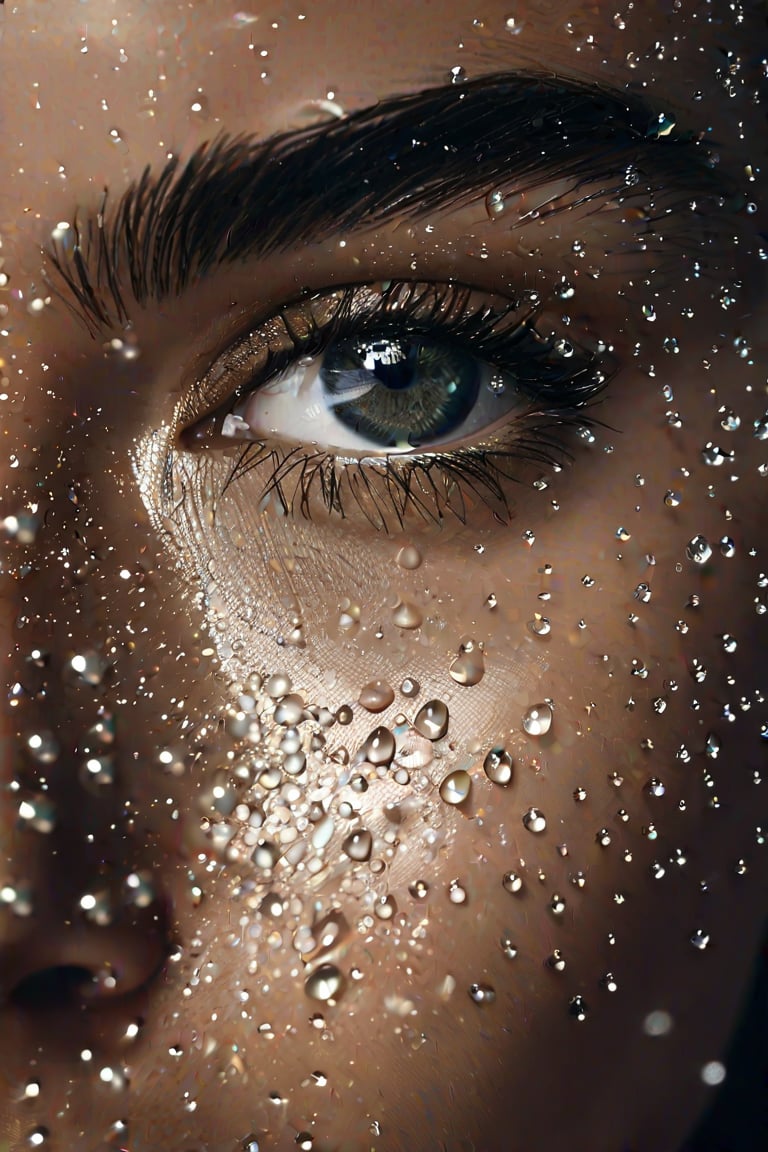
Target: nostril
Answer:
pixel 55 987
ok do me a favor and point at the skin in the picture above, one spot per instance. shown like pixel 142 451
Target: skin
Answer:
pixel 407 1058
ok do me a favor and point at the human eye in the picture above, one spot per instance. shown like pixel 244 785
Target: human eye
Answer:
pixel 397 395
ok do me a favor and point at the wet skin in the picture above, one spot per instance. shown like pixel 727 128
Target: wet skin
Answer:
pixel 191 944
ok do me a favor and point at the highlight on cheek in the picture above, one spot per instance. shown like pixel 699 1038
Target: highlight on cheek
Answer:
pixel 384 725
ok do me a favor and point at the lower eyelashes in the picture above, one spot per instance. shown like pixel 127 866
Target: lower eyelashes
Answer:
pixel 397 397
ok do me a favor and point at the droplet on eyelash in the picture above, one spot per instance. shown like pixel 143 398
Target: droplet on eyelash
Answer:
pixel 498 766
pixel 537 720
pixel 534 820
pixel 455 787
pixel 698 549
pixel 432 720
pixel 376 696
pixel 494 203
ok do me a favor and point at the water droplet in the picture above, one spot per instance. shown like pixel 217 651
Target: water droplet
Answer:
pixel 537 720
pixel 97 773
pixel 358 844
pixel 672 499
pixel 385 907
pixel 557 904
pixel 643 593
pixel 512 882
pixel 727 547
pixel 539 625
pixel 578 1008
pixel 43 747
pixel 608 981
pixel 468 668
pixel 713 1073
pixel 419 889
pixel 38 812
pixel 326 983
pixel 498 766
pixel 655 787
pixel 410 687
pixel 698 550
pixel 508 947
pixel 457 894
pixel 432 720
pixel 482 993
pixel 409 557
pixel 458 74
pixel 760 428
pixel 379 748
pixel 455 787
pixel 289 711
pixel 38 1137
pixel 407 616
pixel 139 889
pixel 658 1023
pixel 700 939
pixel 556 960
pixel 534 820
pixel 494 203
pixel 375 696
pixel 199 106
pixel 278 685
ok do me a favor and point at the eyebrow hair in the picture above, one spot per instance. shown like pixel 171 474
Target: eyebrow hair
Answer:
pixel 238 197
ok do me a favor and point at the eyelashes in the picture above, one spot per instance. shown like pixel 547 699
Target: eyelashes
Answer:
pixel 552 380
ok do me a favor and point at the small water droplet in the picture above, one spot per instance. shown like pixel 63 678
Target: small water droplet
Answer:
pixel 43 747
pixel 578 1008
pixel 539 625
pixel 658 1023
pixel 700 939
pixel 432 720
pixel 537 720
pixel 358 844
pixel 508 947
pixel 498 766
pixel 494 203
pixel 385 907
pixel 534 820
pixel 457 893
pixel 419 889
pixel 512 882
pixel 698 549
pixel 643 593
pixel 672 498
pixel 482 993
pixel 455 787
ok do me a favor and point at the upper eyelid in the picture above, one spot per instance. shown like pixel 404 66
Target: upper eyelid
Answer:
pixel 190 217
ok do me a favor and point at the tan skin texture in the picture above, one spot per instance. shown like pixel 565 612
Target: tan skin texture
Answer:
pixel 408 1060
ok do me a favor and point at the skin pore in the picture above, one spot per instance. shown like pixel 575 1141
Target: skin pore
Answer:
pixel 398 817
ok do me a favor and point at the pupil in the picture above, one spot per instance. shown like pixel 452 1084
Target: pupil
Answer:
pixel 400 393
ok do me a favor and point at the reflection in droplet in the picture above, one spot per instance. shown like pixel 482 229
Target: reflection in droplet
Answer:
pixel 498 766
pixel 535 820
pixel 537 720
pixel 512 882
pixel 455 787
pixel 407 616
pixel 379 748
pixel 432 720
pixel 698 549
pixel 482 993
pixel 358 844
pixel 326 983
pixel 409 557
pixel 376 696
pixel 468 668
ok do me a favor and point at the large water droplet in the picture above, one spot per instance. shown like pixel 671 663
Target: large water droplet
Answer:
pixel 498 766
pixel 358 844
pixel 512 882
pixel 698 549
pixel 376 696
pixel 379 748
pixel 537 720
pixel 455 787
pixel 409 557
pixel 432 720
pixel 468 668
pixel 326 983
pixel 407 616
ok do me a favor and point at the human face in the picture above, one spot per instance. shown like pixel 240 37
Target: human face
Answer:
pixel 231 916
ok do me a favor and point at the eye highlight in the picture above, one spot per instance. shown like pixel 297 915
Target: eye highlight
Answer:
pixel 401 392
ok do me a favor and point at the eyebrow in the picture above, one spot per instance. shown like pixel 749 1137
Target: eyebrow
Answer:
pixel 239 197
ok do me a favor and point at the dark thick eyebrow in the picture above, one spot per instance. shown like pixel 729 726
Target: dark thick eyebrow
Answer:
pixel 238 197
